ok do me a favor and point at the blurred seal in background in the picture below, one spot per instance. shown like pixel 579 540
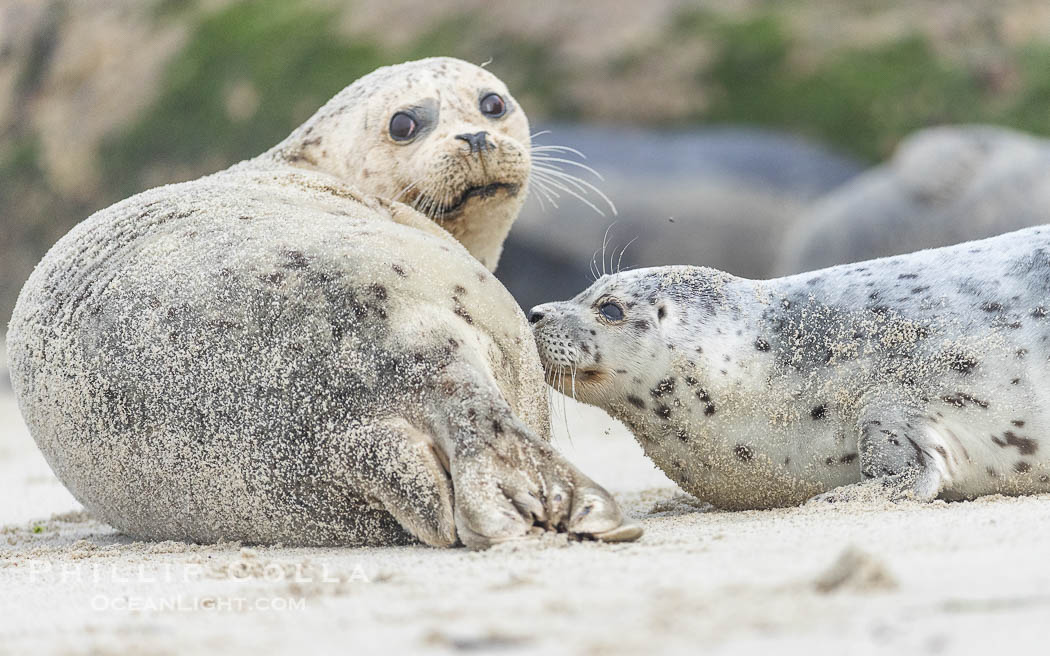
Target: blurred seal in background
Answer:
pixel 943 186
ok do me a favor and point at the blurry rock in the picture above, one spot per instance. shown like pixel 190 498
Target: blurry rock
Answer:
pixel 943 186
pixel 716 197
pixel 855 571
pixel 105 68
pixel 27 30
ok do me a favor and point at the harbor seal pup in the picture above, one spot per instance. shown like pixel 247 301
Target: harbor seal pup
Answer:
pixel 270 355
pixel 943 186
pixel 915 376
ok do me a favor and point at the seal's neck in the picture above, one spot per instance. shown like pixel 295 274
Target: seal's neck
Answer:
pixel 719 350
pixel 485 226
pixel 303 150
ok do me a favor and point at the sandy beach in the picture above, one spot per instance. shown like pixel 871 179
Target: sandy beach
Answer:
pixel 940 578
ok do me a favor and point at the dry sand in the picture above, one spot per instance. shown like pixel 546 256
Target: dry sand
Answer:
pixel 953 578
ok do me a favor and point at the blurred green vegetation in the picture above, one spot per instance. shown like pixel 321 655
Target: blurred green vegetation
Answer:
pixel 284 50
pixel 862 100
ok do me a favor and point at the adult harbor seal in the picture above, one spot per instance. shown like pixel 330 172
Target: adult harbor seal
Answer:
pixel 270 355
pixel 943 186
pixel 925 372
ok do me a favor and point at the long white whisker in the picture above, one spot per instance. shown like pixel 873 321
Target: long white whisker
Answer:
pixel 551 198
pixel 548 158
pixel 558 149
pixel 405 190
pixel 542 189
pixel 548 193
pixel 558 185
pixel 432 206
pixel 553 176
pixel 619 260
pixel 431 203
pixel 543 206
pixel 422 199
pixel 574 180
pixel 594 266
pixel 605 241
pixel 565 412
pixel 550 386
pixel 612 254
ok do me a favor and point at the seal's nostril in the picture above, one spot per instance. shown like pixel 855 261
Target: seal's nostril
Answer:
pixel 535 316
pixel 477 141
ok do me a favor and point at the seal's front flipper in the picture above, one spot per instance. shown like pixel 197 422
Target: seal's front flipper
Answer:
pixel 509 483
pixel 902 454
pixel 915 484
pixel 595 514
pixel 406 474
pixel 521 486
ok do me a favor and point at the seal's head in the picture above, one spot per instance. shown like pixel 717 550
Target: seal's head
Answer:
pixel 595 344
pixel 622 331
pixel 442 135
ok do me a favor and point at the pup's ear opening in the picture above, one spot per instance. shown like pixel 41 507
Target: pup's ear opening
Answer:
pixel 662 311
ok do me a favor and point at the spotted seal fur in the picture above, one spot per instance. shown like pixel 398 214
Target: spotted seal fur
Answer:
pixel 914 376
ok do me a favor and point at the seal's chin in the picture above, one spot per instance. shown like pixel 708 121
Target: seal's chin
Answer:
pixel 456 208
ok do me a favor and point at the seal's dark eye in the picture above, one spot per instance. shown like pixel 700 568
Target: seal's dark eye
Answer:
pixel 493 105
pixel 402 126
pixel 611 311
